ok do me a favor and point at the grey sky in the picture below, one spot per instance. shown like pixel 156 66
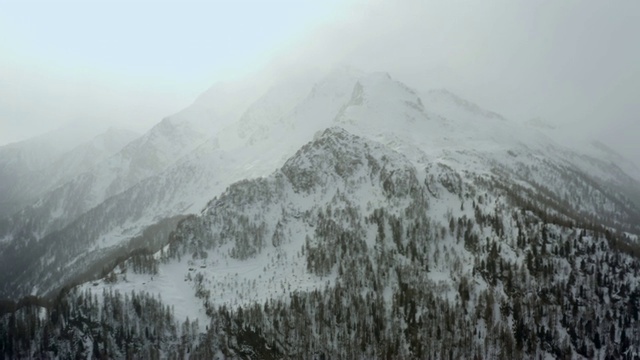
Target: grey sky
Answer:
pixel 572 63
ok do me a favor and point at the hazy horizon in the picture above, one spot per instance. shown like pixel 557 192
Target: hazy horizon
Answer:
pixel 129 64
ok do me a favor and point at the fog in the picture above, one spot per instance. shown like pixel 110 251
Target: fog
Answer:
pixel 575 64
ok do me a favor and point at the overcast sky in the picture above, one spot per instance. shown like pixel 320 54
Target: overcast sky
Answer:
pixel 572 63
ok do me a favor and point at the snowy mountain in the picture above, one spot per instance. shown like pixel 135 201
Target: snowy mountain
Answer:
pixel 348 224
pixel 40 151
pixel 138 160
pixel 89 154
pixel 148 155
pixel 356 219
pixel 351 249
pixel 30 168
pixel 447 128
pixel 68 208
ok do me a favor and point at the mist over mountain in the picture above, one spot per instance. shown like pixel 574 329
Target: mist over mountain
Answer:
pixel 343 214
pixel 33 167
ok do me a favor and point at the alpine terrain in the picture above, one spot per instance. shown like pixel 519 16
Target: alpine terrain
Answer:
pixel 339 216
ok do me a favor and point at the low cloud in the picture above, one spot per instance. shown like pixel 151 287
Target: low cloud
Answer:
pixel 572 63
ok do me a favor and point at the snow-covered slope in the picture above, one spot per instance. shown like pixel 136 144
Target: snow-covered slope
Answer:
pixel 348 221
pixel 31 168
pixel 139 160
pixel 360 220
pixel 598 159
pixel 218 106
pixel 255 229
pixel 148 155
pixel 87 155
pixel 437 127
pixel 40 151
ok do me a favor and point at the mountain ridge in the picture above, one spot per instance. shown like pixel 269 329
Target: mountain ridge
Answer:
pixel 373 105
pixel 389 224
pixel 357 208
pixel 23 185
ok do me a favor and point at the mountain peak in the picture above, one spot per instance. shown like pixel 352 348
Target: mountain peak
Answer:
pixel 376 99
pixel 336 154
pixel 399 213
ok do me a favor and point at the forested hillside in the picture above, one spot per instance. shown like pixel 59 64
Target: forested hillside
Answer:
pixel 350 250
